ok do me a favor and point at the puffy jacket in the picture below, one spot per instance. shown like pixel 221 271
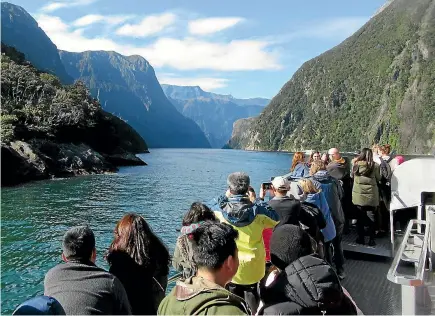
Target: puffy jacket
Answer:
pixel 365 190
pixel 198 296
pixel 301 170
pixel 319 200
pixel 249 219
pixel 333 194
pixel 308 286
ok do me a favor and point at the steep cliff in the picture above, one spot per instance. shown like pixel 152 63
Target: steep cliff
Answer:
pixel 127 87
pixel 376 86
pixel 20 30
pixel 214 113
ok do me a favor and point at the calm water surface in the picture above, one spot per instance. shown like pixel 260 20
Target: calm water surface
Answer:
pixel 35 216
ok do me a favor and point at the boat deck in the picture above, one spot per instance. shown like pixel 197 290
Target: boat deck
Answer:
pixel 368 285
pixel 374 294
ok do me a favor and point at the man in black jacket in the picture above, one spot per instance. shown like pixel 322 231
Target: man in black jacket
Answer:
pixel 290 210
pixel 303 284
pixel 79 285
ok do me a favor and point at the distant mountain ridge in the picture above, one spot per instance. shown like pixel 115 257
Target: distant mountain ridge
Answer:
pixel 20 30
pixel 378 86
pixel 195 92
pixel 127 87
pixel 214 113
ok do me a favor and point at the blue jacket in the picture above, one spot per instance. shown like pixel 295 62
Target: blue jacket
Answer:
pixel 333 194
pixel 249 219
pixel 301 170
pixel 319 200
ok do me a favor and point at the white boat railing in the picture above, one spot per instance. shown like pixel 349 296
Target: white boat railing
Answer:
pixel 417 247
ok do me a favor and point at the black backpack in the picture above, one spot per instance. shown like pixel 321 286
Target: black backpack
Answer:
pixel 386 172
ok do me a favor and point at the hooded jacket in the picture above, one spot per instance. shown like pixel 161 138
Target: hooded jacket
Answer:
pixel 339 169
pixel 319 200
pixel 249 219
pixel 198 296
pixel 365 189
pixel 308 286
pixel 333 194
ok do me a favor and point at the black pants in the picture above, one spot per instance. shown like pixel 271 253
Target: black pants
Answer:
pixel 248 292
pixel 365 218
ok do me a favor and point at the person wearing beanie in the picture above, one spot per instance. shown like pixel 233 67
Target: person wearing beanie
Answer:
pixel 302 283
pixel 40 305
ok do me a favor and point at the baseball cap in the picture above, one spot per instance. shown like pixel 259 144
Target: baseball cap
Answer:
pixel 281 183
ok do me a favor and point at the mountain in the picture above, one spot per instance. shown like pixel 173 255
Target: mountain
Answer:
pixel 376 86
pixel 127 87
pixel 51 130
pixel 214 113
pixel 20 30
pixel 195 92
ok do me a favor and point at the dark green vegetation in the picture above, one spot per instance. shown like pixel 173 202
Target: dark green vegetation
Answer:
pixel 214 113
pixel 20 30
pixel 48 129
pixel 376 86
pixel 127 87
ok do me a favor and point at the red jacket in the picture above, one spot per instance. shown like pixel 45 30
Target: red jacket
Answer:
pixel 267 234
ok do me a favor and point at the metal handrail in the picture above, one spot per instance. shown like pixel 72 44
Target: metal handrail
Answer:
pixel 418 278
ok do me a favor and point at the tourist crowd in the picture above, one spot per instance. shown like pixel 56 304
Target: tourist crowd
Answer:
pixel 237 254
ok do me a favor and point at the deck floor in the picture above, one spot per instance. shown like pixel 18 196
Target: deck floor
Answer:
pixel 368 285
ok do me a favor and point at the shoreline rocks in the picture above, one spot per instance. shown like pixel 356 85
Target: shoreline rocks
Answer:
pixel 40 159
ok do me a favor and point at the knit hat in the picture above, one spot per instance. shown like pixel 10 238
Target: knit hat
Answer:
pixel 40 305
pixel 288 243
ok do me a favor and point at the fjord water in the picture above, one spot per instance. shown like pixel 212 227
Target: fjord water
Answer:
pixel 35 215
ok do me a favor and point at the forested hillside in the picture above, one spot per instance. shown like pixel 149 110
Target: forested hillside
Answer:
pixel 376 86
pixel 49 130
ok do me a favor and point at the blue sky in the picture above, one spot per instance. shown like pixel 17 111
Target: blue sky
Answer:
pixel 239 47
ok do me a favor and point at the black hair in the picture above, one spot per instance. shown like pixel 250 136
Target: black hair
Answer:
pixel 367 156
pixel 78 243
pixel 213 243
pixel 198 212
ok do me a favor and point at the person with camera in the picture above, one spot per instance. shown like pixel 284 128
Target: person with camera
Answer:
pixel 250 219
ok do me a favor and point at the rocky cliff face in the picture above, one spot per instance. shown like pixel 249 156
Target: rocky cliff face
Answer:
pixel 376 86
pixel 50 130
pixel 214 113
pixel 127 87
pixel 20 30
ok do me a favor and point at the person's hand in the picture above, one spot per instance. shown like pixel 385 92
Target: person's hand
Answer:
pixel 262 192
pixel 251 194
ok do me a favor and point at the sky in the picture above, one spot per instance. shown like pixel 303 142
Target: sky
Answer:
pixel 247 48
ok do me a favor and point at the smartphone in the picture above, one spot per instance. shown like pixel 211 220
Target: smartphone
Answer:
pixel 267 185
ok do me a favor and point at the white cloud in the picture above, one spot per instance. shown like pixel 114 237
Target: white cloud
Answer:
pixel 212 25
pixel 72 40
pixel 96 18
pixel 191 53
pixel 53 6
pixel 182 54
pixel 51 24
pixel 206 83
pixel 149 25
